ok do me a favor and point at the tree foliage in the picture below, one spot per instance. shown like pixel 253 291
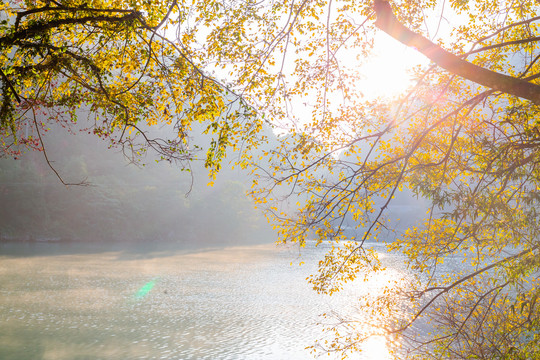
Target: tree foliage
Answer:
pixel 468 144
pixel 113 62
pixel 464 137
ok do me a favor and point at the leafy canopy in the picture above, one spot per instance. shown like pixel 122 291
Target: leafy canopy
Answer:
pixel 464 138
pixel 113 63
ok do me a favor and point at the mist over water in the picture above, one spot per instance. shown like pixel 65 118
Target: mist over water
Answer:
pixel 232 303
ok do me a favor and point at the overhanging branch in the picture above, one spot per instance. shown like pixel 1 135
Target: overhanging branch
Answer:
pixel 387 22
pixel 41 28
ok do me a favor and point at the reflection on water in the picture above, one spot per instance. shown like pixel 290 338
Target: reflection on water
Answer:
pixel 234 303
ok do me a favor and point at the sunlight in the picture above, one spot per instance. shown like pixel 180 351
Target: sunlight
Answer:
pixel 375 348
pixel 387 73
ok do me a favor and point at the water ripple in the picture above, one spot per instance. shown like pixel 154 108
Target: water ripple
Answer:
pixel 238 303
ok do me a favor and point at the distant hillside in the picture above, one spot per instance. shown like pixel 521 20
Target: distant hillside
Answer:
pixel 123 202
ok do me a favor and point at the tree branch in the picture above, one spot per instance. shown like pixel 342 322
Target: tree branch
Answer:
pixel 10 85
pixel 60 8
pixel 387 22
pixel 40 28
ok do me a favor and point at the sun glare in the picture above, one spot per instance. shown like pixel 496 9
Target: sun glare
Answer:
pixel 387 74
pixel 375 348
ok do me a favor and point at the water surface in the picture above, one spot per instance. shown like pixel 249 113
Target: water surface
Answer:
pixel 233 303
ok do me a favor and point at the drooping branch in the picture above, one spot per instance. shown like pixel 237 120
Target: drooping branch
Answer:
pixel 10 85
pixel 387 22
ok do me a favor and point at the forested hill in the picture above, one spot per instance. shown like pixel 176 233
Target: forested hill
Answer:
pixel 123 202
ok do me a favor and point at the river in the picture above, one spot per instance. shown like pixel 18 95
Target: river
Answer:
pixel 62 301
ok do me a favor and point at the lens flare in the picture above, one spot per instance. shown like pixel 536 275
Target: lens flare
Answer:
pixel 145 289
